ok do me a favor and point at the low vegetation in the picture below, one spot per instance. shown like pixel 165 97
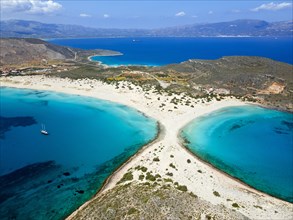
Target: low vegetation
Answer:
pixel 126 177
pixel 156 159
pixel 142 168
pixel 150 177
pixel 153 201
pixel 216 193
pixel 132 211
pixel 169 174
pixel 182 188
pixel 172 165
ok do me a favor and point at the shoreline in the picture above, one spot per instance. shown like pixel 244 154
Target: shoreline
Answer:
pixel 89 58
pixel 115 66
pixel 157 138
pixel 227 175
pixel 182 142
pixel 111 178
pixel 172 121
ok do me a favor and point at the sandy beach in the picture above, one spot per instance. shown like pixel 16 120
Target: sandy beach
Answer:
pixel 172 118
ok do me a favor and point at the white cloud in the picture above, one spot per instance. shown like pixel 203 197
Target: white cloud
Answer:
pixel 30 6
pixel 106 16
pixel 210 12
pixel 180 14
pixel 273 6
pixel 235 11
pixel 84 15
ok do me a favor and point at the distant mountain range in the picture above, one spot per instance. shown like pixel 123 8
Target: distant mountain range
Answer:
pixel 251 28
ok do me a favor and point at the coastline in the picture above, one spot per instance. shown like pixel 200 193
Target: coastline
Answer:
pixel 112 177
pixel 227 175
pixel 173 120
pixel 158 137
pixel 114 66
pixel 108 55
pixel 89 58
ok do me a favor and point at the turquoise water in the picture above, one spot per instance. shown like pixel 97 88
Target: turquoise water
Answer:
pixel 48 177
pixel 167 50
pixel 250 143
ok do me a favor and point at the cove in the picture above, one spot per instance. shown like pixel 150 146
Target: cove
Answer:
pixel 250 143
pixel 48 177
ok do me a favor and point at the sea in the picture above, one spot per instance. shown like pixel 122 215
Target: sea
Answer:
pixel 49 176
pixel 252 144
pixel 163 51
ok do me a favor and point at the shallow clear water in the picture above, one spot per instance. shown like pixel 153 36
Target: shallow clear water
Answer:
pixel 250 143
pixel 162 51
pixel 49 176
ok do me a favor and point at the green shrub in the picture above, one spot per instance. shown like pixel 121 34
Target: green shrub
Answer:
pixel 193 195
pixel 182 188
pixel 156 159
pixel 126 177
pixel 216 193
pixel 158 176
pixel 143 169
pixel 150 177
pixel 168 180
pixel 172 165
pixel 257 206
pixel 132 211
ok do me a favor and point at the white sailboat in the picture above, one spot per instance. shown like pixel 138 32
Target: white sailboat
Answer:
pixel 43 130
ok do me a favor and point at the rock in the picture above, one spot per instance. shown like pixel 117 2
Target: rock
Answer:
pixel 80 191
pixel 66 174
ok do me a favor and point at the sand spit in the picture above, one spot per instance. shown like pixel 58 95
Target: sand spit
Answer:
pixel 200 178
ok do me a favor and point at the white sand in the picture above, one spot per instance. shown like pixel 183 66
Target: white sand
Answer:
pixel 254 204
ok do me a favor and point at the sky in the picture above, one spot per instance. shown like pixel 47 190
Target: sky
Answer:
pixel 143 13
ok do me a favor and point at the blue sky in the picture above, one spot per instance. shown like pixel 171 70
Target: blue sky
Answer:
pixel 143 13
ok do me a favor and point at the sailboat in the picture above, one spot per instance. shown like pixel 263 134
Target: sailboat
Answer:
pixel 43 130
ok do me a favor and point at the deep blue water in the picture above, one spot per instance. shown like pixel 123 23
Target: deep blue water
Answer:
pixel 161 51
pixel 48 177
pixel 250 143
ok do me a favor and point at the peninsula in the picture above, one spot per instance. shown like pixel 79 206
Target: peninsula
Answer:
pixel 165 180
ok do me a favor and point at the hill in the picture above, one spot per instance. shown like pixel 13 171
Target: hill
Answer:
pixel 28 29
pixel 15 51
pixel 19 51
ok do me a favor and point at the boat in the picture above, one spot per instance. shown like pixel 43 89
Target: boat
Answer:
pixel 43 130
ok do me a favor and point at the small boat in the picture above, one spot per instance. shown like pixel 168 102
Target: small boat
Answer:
pixel 43 130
